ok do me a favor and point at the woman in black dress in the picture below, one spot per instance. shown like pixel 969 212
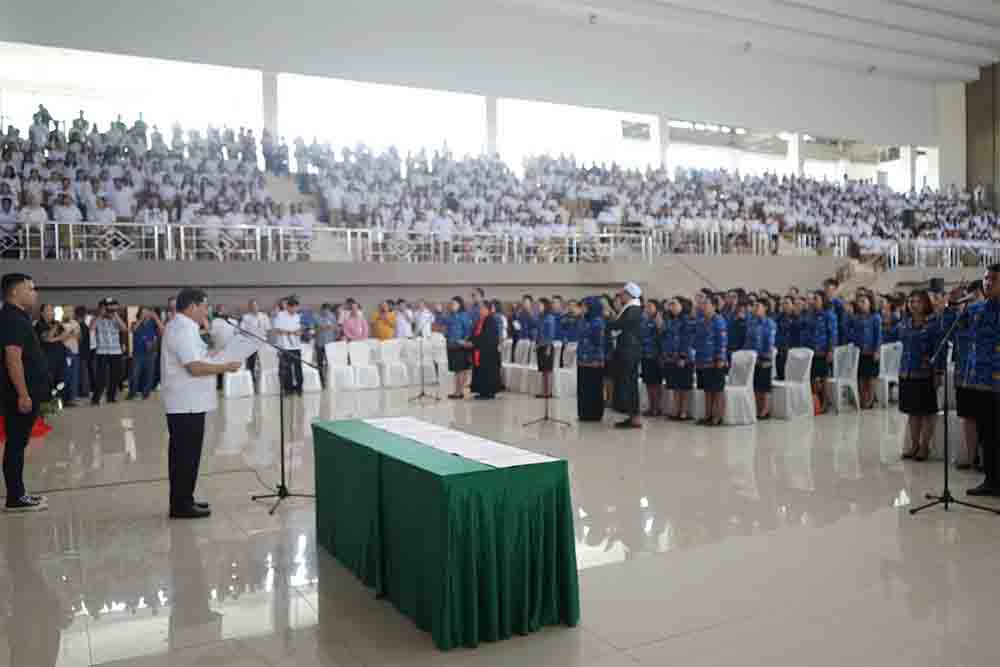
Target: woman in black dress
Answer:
pixel 485 344
pixel 51 335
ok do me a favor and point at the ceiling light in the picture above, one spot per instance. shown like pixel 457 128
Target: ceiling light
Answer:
pixel 740 131
pixel 725 129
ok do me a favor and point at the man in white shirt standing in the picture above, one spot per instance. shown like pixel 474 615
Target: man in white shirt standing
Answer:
pixel 287 327
pixel 257 323
pixel 188 391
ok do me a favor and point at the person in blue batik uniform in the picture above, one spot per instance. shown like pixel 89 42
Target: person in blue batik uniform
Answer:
pixel 919 334
pixel 890 322
pixel 711 351
pixel 545 338
pixel 457 329
pixel 683 375
pixel 761 332
pixel 590 359
pixel 984 377
pixel 789 328
pixel 652 369
pixel 865 331
pixel 526 322
pixel 966 399
pixel 819 333
pixel 668 352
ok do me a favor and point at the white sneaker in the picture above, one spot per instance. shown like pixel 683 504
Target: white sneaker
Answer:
pixel 27 504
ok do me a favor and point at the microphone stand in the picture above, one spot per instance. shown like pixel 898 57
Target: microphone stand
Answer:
pixel 548 395
pixel 281 489
pixel 423 393
pixel 946 498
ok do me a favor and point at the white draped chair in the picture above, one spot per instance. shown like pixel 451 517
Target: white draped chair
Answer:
pixel 392 371
pixel 365 373
pixel 890 358
pixel 238 384
pixel 514 373
pixel 741 408
pixel 845 376
pixel 311 383
pixel 416 354
pixel 269 377
pixel 339 375
pixel 792 397
pixel 564 378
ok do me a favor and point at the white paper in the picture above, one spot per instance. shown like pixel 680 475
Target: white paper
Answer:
pixel 237 349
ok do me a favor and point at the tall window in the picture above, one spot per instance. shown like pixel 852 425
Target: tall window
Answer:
pixel 345 113
pixel 105 86
pixel 591 135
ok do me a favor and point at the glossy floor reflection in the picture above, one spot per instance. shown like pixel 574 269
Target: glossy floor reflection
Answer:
pixel 780 544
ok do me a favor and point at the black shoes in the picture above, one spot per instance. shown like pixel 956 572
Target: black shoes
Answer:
pixel 627 424
pixel 985 489
pixel 196 511
pixel 27 504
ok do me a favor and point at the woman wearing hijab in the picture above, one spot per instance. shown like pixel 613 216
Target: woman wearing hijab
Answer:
pixel 628 354
pixel 590 358
pixel 485 344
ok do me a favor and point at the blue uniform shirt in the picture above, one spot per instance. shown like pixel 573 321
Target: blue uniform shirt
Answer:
pixel 819 331
pixel 919 345
pixel 569 329
pixel 670 340
pixel 712 341
pixel 789 333
pixel 963 339
pixel 591 347
pixel 458 327
pixel 529 325
pixel 547 332
pixel 984 353
pixel 866 333
pixel 687 334
pixel 649 335
pixel 760 337
pixel 890 330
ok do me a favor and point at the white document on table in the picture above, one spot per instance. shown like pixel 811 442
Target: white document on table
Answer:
pixel 237 349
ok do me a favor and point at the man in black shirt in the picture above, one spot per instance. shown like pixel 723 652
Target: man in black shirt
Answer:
pixel 24 384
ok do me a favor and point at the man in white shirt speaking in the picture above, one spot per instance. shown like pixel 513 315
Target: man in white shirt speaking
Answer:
pixel 287 327
pixel 188 390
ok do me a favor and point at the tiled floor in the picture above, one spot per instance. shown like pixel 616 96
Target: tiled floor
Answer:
pixel 780 544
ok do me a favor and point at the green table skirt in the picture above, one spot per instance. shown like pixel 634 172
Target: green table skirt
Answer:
pixel 471 553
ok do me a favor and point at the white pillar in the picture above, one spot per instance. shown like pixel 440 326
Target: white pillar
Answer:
pixel 269 99
pixel 664 126
pixel 952 133
pixel 934 168
pixel 492 128
pixel 908 154
pixel 794 155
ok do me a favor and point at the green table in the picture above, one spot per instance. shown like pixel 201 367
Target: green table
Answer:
pixel 470 552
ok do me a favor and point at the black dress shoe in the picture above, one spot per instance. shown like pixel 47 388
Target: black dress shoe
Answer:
pixel 984 489
pixel 627 424
pixel 193 512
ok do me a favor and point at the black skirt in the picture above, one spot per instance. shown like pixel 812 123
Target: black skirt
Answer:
pixel 652 371
pixel 546 358
pixel 589 393
pixel 626 399
pixel 712 379
pixel 781 359
pixel 820 367
pixel 683 377
pixel 970 403
pixel 762 380
pixel 458 359
pixel 867 367
pixel 917 397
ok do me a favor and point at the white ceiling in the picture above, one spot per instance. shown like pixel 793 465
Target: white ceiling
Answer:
pixel 925 40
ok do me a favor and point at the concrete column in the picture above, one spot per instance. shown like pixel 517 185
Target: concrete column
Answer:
pixel 269 98
pixel 794 155
pixel 664 127
pixel 952 137
pixel 492 126
pixel 908 154
pixel 934 169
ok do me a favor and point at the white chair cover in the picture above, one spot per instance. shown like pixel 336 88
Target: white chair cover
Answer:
pixel 238 384
pixel 269 379
pixel 564 379
pixel 845 376
pixel 339 375
pixel 365 373
pixel 311 383
pixel 792 397
pixel 890 358
pixel 392 370
pixel 416 355
pixel 741 408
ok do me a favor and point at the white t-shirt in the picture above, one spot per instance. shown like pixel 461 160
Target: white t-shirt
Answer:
pixel 404 324
pixel 256 323
pixel 182 392
pixel 287 322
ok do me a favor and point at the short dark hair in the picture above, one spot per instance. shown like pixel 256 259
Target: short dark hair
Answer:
pixel 11 281
pixel 190 296
pixel 482 292
pixel 993 268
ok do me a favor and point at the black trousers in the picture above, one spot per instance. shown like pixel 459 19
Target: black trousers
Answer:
pixel 187 433
pixel 321 364
pixel 987 430
pixel 252 361
pixel 290 368
pixel 107 376
pixel 18 433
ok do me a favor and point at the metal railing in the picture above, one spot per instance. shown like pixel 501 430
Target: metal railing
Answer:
pixel 222 243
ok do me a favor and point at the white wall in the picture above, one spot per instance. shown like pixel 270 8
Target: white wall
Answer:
pixel 482 47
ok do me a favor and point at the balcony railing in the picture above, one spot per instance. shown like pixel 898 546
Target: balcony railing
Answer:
pixel 178 242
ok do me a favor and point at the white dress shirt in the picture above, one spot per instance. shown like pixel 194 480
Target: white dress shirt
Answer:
pixel 288 322
pixel 182 392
